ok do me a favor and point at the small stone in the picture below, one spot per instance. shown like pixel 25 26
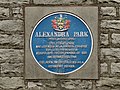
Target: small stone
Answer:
pixel 108 11
pixel 15 1
pixel 104 68
pixel 11 69
pixel 63 1
pixel 104 39
pixel 7 83
pixel 115 68
pixel 4 12
pixel 12 40
pixel 110 53
pixel 11 62
pixel 11 25
pixel 105 82
pixel 11 56
pixel 109 1
pixel 31 84
pixel 110 24
pixel 76 84
pixel 18 12
pixel 35 86
pixel 116 39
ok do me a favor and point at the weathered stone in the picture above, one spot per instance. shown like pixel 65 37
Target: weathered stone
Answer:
pixel 7 83
pixel 43 85
pixel 14 1
pixel 106 83
pixel 18 12
pixel 4 12
pixel 104 68
pixel 63 84
pixel 115 68
pixel 8 69
pixel 104 39
pixel 103 88
pixel 33 86
pixel 110 53
pixel 116 39
pixel 12 40
pixel 76 85
pixel 11 25
pixel 109 1
pixel 11 56
pixel 116 89
pixel 111 24
pixel 11 62
pixel 108 11
pixel 63 1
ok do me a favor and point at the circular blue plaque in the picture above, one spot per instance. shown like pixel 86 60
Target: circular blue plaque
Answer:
pixel 61 43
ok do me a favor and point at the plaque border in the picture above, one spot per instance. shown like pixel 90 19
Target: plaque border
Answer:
pixel 30 76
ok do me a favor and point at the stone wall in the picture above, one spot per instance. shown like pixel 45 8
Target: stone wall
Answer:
pixel 12 47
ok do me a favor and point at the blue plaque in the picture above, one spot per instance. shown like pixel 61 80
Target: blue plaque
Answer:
pixel 61 43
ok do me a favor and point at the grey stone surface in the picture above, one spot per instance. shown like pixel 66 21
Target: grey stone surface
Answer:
pixel 106 83
pixel 35 86
pixel 13 83
pixel 15 40
pixel 116 39
pixel 115 68
pixel 11 25
pixel 11 69
pixel 111 24
pixel 4 12
pixel 18 12
pixel 63 1
pixel 43 85
pixel 109 1
pixel 108 11
pixel 11 62
pixel 104 39
pixel 104 68
pixel 110 53
pixel 14 1
pixel 76 85
pixel 60 85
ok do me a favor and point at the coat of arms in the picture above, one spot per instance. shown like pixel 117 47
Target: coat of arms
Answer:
pixel 61 23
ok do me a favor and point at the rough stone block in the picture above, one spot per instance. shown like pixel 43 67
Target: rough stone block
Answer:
pixel 106 83
pixel 104 68
pixel 43 85
pixel 104 39
pixel 13 83
pixel 63 1
pixel 4 12
pixel 63 85
pixel 14 1
pixel 110 53
pixel 115 68
pixel 11 62
pixel 15 40
pixel 116 39
pixel 76 85
pixel 109 1
pixel 11 25
pixel 110 24
pixel 18 12
pixel 8 69
pixel 108 11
